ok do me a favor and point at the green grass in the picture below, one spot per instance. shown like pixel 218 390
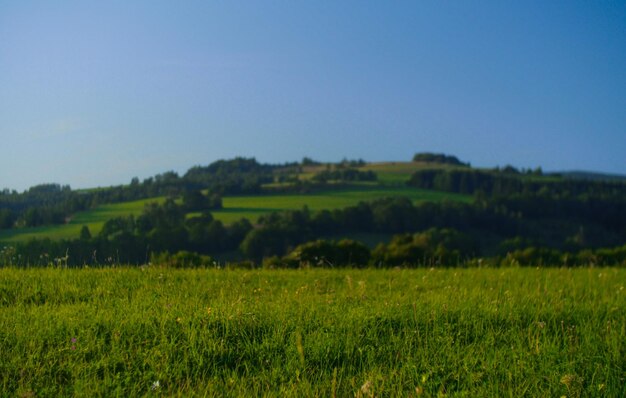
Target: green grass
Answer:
pixel 94 219
pixel 234 208
pixel 252 207
pixel 392 177
pixel 458 332
pixel 398 173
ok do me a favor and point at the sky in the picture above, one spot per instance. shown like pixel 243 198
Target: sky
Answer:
pixel 94 93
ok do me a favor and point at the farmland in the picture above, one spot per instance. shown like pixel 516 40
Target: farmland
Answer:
pixel 94 219
pixel 311 332
pixel 234 208
pixel 433 210
pixel 252 207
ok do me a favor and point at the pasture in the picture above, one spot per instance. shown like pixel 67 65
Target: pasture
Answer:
pixel 252 207
pixel 313 332
pixel 94 219
pixel 398 173
pixel 234 208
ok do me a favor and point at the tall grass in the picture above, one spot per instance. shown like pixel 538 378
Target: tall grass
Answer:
pixel 466 332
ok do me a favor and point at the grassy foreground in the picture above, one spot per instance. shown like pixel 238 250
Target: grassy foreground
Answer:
pixel 209 332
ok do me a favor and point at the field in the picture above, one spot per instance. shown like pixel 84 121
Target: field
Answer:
pixel 211 332
pixel 94 219
pixel 251 207
pixel 234 208
pixel 398 173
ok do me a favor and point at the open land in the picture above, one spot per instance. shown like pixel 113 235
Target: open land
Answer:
pixel 313 332
pixel 234 208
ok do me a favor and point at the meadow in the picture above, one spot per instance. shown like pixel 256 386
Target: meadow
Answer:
pixel 153 331
pixel 398 173
pixel 234 208
pixel 94 219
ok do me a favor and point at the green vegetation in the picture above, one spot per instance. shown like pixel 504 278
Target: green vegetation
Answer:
pixel 251 207
pixel 233 209
pixel 399 173
pixel 94 219
pixel 434 210
pixel 206 332
pixel 438 158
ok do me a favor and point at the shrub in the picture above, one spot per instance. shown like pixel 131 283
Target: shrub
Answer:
pixel 181 259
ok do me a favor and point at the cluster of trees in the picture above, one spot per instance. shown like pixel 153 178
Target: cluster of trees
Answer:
pixel 516 218
pixel 344 175
pixel 39 205
pixel 54 204
pixel 161 228
pixel 323 253
pixel 428 234
pixel 440 158
pixel 236 176
pixel 433 247
pixel 495 227
pixel 165 228
pixel 507 183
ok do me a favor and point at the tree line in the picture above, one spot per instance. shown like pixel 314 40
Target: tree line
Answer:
pixel 426 234
pixel 49 204
pixel 509 182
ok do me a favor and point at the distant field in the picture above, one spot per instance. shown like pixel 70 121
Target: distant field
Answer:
pixel 235 208
pixel 94 219
pixel 391 175
pixel 251 207
pixel 398 173
pixel 478 332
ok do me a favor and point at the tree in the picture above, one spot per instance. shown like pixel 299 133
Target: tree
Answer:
pixel 194 200
pixel 85 234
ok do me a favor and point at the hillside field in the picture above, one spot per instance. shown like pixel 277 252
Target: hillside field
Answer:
pixel 153 331
pixel 234 208
pixel 94 219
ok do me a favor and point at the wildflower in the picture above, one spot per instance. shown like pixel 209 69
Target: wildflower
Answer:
pixel 155 386
pixel 208 311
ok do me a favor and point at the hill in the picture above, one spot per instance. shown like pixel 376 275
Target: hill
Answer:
pixel 434 210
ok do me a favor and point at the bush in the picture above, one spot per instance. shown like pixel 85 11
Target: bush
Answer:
pixel 325 253
pixel 182 259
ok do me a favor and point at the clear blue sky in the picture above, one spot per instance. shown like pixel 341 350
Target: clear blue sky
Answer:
pixel 93 93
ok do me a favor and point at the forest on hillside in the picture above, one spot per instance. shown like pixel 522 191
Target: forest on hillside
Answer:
pixel 514 217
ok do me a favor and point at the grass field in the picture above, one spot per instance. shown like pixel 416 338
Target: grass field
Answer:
pixel 251 207
pixel 94 219
pixel 365 333
pixel 398 173
pixel 234 208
